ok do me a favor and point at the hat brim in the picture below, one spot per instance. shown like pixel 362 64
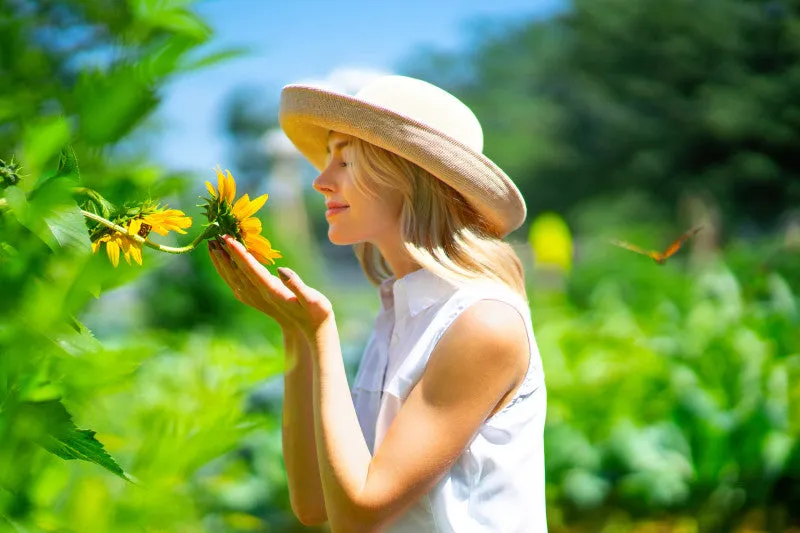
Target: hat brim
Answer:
pixel 308 114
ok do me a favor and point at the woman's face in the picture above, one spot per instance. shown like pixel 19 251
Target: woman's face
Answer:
pixel 361 217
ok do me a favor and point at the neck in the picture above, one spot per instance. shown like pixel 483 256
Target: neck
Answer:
pixel 397 257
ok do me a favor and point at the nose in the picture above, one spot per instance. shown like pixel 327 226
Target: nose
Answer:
pixel 325 183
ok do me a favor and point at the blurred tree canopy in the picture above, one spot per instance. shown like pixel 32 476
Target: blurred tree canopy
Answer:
pixel 99 65
pixel 664 97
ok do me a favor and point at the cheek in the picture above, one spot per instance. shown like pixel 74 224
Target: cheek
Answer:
pixel 385 212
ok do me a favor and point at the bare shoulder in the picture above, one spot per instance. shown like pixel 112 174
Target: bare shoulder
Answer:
pixel 487 343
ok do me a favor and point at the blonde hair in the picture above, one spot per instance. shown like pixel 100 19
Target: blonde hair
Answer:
pixel 440 230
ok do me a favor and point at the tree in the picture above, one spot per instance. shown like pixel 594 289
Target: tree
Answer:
pixel 662 97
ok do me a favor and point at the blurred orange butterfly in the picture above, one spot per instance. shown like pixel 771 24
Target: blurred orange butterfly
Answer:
pixel 661 257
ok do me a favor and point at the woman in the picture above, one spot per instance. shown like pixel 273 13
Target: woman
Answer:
pixel 442 430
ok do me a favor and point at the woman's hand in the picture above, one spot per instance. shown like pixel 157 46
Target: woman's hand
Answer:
pixel 288 300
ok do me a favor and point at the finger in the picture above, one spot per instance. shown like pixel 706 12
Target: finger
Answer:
pixel 222 266
pixel 307 296
pixel 293 281
pixel 255 271
pixel 216 261
pixel 240 285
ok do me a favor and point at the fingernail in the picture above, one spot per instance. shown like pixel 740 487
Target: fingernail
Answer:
pixel 282 273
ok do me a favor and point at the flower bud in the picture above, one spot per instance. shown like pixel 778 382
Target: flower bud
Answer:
pixel 9 173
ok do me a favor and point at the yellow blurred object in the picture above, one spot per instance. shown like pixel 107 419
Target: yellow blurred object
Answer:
pixel 551 242
pixel 245 522
pixel 90 505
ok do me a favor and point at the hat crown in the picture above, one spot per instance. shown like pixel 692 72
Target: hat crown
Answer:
pixel 427 104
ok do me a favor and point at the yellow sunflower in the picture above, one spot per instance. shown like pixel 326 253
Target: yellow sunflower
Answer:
pixel 148 218
pixel 162 221
pixel 236 219
pixel 114 243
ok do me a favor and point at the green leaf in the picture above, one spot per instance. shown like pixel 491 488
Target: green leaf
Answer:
pixel 42 141
pixel 182 22
pixel 216 57
pixel 171 16
pixel 67 225
pixel 111 105
pixel 52 213
pixel 57 433
pixel 68 164
pixel 78 340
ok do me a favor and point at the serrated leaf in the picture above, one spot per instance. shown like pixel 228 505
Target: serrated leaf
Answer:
pixel 57 433
pixel 78 340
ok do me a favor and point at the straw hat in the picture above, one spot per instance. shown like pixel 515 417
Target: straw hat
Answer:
pixel 415 120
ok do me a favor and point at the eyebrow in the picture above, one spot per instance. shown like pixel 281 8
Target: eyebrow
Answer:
pixel 337 146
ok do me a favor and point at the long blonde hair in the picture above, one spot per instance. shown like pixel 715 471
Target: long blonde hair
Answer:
pixel 440 230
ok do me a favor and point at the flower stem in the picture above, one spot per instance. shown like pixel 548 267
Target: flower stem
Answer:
pixel 210 231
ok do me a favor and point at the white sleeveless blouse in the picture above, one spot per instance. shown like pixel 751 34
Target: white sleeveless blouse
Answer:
pixel 497 484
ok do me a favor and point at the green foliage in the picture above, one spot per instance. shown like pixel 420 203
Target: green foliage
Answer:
pixel 662 97
pixel 671 390
pixel 160 408
pixel 52 427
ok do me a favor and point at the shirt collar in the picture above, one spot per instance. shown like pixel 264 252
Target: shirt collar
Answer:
pixel 414 292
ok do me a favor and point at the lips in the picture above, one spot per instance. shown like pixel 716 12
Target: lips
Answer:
pixel 334 208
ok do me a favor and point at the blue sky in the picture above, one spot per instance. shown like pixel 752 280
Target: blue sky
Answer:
pixel 301 40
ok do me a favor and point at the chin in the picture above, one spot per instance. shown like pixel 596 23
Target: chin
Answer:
pixel 341 239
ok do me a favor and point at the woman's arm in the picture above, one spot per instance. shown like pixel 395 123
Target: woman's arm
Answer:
pixel 299 444
pixel 299 448
pixel 482 356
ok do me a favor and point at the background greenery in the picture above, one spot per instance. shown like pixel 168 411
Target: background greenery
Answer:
pixel 673 390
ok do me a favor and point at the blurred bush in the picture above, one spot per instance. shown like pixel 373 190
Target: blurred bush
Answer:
pixel 673 390
pixel 169 409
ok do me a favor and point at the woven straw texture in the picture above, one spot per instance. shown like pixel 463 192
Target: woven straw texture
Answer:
pixel 308 113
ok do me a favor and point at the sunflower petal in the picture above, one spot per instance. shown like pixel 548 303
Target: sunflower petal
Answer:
pixel 254 206
pixel 230 187
pixel 112 248
pixel 240 206
pixel 123 242
pixel 136 253
pixel 168 220
pixel 259 243
pixel 135 226
pixel 220 183
pixel 211 190
pixel 251 226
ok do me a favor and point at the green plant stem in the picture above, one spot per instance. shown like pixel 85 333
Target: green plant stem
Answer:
pixel 209 232
pixel 93 195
